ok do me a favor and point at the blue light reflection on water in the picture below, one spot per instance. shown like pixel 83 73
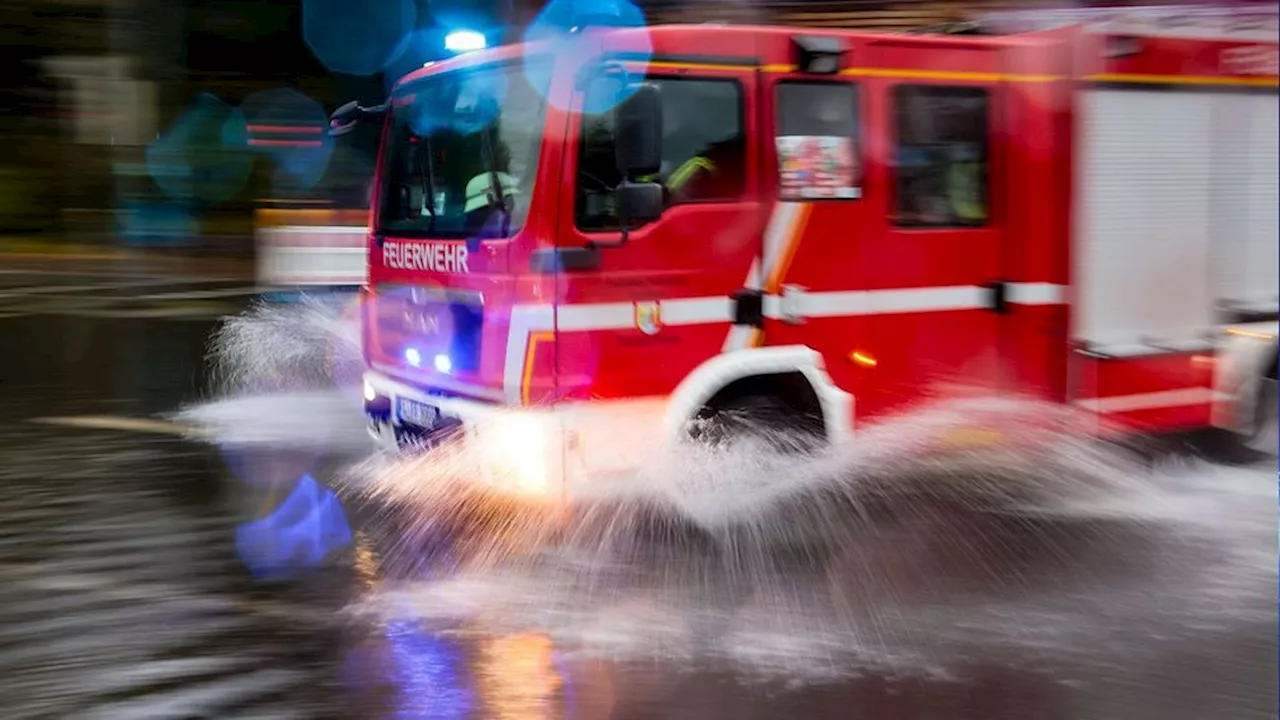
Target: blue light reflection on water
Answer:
pixel 307 527
pixel 427 674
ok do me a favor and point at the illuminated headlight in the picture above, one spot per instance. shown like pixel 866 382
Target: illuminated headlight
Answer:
pixel 413 357
pixel 522 453
pixel 370 392
pixel 443 364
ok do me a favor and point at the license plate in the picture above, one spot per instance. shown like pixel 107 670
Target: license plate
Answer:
pixel 417 413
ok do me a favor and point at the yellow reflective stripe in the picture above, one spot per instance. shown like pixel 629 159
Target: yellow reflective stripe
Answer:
pixel 686 171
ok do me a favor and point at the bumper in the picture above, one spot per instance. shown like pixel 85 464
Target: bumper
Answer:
pixel 530 449
pixel 382 400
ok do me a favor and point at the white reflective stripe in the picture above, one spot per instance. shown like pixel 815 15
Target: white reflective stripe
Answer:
pixel 883 302
pixel 755 278
pixel 1037 293
pixel 596 316
pixel 719 309
pixel 781 224
pixel 696 311
pixel 739 338
pixel 621 315
pixel 1151 400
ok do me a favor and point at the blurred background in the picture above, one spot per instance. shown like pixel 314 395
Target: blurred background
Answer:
pixel 187 125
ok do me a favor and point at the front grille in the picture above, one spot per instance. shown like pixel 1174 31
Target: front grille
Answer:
pixel 417 325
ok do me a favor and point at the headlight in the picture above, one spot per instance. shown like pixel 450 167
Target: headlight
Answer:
pixel 521 452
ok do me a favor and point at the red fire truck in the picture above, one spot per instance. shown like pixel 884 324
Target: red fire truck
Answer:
pixel 582 251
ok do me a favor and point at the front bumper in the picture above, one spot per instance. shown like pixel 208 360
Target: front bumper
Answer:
pixel 382 401
pixel 532 449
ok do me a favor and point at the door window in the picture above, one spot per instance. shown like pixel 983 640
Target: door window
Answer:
pixel 817 141
pixel 941 156
pixel 703 149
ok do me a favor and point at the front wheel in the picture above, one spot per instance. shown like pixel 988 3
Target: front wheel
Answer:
pixel 762 421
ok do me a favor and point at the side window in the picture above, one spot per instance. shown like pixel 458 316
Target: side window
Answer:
pixel 817 141
pixel 703 149
pixel 941 156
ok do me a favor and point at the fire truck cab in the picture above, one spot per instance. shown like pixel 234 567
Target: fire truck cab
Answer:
pixel 579 247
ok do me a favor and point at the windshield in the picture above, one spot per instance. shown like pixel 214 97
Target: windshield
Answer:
pixel 462 155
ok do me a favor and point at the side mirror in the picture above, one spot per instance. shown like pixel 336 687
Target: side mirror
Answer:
pixel 638 132
pixel 346 118
pixel 639 203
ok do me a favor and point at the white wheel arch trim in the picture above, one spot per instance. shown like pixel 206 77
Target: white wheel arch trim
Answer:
pixel 1242 358
pixel 716 373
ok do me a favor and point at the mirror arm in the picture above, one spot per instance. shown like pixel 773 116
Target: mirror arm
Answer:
pixel 622 232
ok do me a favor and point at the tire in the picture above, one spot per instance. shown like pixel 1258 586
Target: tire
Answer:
pixel 762 420
pixel 1262 435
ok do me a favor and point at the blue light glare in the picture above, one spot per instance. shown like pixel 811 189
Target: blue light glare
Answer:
pixel 152 224
pixel 284 126
pixel 305 529
pixel 465 102
pixel 560 25
pixel 421 46
pixel 356 38
pixel 204 157
pixel 460 41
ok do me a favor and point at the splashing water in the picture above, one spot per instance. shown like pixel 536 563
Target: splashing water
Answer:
pixel 983 523
pixel 313 344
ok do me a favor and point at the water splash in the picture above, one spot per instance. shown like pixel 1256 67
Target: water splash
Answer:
pixel 974 527
pixel 313 344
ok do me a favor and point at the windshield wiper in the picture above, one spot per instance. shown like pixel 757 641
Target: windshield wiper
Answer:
pixel 427 172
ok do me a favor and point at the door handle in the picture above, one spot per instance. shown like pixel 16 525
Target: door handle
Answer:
pixel 999 297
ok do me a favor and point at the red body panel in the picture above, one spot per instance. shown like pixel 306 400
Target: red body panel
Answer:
pixel 589 343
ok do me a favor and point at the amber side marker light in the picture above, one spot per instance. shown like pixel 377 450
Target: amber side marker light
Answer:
pixel 860 358
pixel 1256 335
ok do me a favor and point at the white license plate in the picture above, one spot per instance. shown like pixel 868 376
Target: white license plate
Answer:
pixel 417 413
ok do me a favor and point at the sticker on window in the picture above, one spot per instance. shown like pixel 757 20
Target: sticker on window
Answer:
pixel 817 167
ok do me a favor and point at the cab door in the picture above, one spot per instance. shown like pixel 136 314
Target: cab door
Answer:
pixel 931 262
pixel 642 315
pixel 816 144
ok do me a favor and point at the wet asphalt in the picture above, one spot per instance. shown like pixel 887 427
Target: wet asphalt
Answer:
pixel 125 596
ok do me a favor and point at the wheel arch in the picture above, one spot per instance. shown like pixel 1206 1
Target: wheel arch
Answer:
pixel 794 370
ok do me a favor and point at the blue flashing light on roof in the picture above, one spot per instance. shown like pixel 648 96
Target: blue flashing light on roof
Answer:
pixel 460 41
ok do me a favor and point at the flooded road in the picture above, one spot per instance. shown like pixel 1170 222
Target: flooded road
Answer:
pixel 150 576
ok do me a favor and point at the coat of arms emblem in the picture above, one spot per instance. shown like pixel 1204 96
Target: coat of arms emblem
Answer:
pixel 648 317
